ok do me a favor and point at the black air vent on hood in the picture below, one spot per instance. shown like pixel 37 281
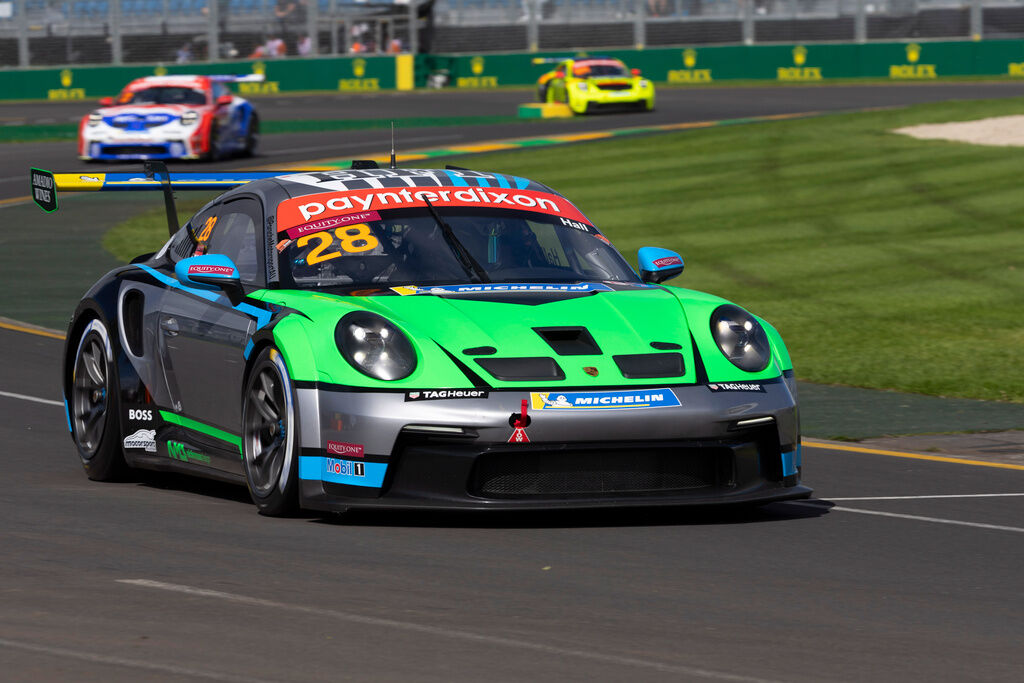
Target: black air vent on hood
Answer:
pixel 650 365
pixel 522 369
pixel 569 341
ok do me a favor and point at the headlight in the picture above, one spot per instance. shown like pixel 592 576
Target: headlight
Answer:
pixel 644 84
pixel 741 338
pixel 374 346
pixel 581 85
pixel 188 118
pixel 95 119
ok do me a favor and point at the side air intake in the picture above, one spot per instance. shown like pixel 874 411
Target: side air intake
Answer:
pixel 650 365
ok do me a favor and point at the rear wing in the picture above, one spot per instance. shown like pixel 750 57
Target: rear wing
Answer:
pixel 155 177
pixel 238 78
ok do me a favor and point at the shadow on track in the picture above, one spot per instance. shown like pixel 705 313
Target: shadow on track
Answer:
pixel 507 519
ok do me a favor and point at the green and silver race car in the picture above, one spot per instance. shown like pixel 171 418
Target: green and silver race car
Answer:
pixel 421 338
pixel 590 84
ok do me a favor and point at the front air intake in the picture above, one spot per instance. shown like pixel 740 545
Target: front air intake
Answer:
pixel 569 341
pixel 522 369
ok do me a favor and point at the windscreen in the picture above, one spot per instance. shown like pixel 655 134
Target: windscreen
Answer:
pixel 599 69
pixel 410 247
pixel 163 95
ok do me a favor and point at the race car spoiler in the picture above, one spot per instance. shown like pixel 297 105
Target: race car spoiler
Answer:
pixel 155 176
pixel 238 78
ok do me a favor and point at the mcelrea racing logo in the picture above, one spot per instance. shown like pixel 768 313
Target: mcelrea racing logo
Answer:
pixel 444 393
pixel 604 400
pixel 143 438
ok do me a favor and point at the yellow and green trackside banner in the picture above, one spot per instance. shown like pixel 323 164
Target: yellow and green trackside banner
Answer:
pixel 799 63
pixel 683 65
pixel 325 74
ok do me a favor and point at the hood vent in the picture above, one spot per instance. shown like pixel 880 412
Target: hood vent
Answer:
pixel 569 341
pixel 650 365
pixel 522 369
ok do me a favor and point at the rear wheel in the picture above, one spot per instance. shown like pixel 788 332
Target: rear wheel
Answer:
pixel 252 137
pixel 94 406
pixel 213 152
pixel 270 444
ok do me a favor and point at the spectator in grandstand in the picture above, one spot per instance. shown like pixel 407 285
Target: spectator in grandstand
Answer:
pixel 275 47
pixel 658 8
pixel 184 54
pixel 291 15
pixel 305 46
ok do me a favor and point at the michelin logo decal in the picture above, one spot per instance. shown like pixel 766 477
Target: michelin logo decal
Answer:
pixel 604 400
pixel 143 438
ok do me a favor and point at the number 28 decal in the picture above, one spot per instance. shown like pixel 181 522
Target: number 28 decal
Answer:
pixel 353 239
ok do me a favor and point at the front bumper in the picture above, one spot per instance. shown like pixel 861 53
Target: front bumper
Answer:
pixel 115 145
pixel 371 449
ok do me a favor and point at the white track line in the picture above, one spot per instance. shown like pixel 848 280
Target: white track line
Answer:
pixel 917 518
pixel 446 632
pixel 132 663
pixel 23 397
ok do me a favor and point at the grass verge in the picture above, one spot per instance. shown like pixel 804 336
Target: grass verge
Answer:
pixel 885 262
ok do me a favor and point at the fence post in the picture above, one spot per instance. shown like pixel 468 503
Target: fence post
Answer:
pixel 639 24
pixel 414 28
pixel 748 21
pixel 115 33
pixel 532 19
pixel 213 32
pixel 23 59
pixel 977 23
pixel 860 22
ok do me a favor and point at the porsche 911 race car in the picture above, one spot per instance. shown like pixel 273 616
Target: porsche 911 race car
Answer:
pixel 171 117
pixel 420 338
pixel 589 84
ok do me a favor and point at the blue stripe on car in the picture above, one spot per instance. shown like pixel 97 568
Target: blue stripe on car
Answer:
pixel 789 461
pixel 316 468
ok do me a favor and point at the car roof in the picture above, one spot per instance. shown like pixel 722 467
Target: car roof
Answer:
pixel 171 81
pixel 314 182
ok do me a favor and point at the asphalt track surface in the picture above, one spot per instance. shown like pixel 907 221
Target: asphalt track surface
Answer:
pixel 674 105
pixel 901 568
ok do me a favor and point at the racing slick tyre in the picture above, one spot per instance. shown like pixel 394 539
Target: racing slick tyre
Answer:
pixel 252 137
pixel 94 406
pixel 270 444
pixel 213 152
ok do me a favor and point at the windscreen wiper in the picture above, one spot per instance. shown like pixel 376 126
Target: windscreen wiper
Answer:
pixel 465 258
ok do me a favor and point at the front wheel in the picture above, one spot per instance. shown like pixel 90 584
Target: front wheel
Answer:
pixel 270 443
pixel 94 406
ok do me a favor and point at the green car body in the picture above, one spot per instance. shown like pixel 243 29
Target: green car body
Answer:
pixel 427 338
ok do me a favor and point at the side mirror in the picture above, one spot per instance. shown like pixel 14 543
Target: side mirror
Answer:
pixel 635 72
pixel 224 99
pixel 106 101
pixel 211 272
pixel 657 264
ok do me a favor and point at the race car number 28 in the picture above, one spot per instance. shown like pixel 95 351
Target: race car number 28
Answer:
pixel 353 240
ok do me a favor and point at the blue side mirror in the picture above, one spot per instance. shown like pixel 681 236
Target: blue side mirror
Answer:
pixel 657 264
pixel 211 271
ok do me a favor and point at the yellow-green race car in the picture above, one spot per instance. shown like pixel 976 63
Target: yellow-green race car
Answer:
pixel 589 84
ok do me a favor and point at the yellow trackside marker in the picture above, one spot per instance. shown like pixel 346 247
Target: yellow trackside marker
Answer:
pixel 404 72
pixel 15 200
pixel 914 456
pixel 31 329
pixel 582 136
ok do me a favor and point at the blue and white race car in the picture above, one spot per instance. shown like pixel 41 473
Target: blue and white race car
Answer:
pixel 171 117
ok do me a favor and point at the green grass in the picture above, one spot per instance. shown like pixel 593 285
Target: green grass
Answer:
pixel 147 231
pixel 885 262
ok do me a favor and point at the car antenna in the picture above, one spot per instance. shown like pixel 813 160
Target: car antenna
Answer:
pixel 393 164
pixel 158 170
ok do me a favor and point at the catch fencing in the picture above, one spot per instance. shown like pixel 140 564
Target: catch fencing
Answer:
pixel 507 25
pixel 76 32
